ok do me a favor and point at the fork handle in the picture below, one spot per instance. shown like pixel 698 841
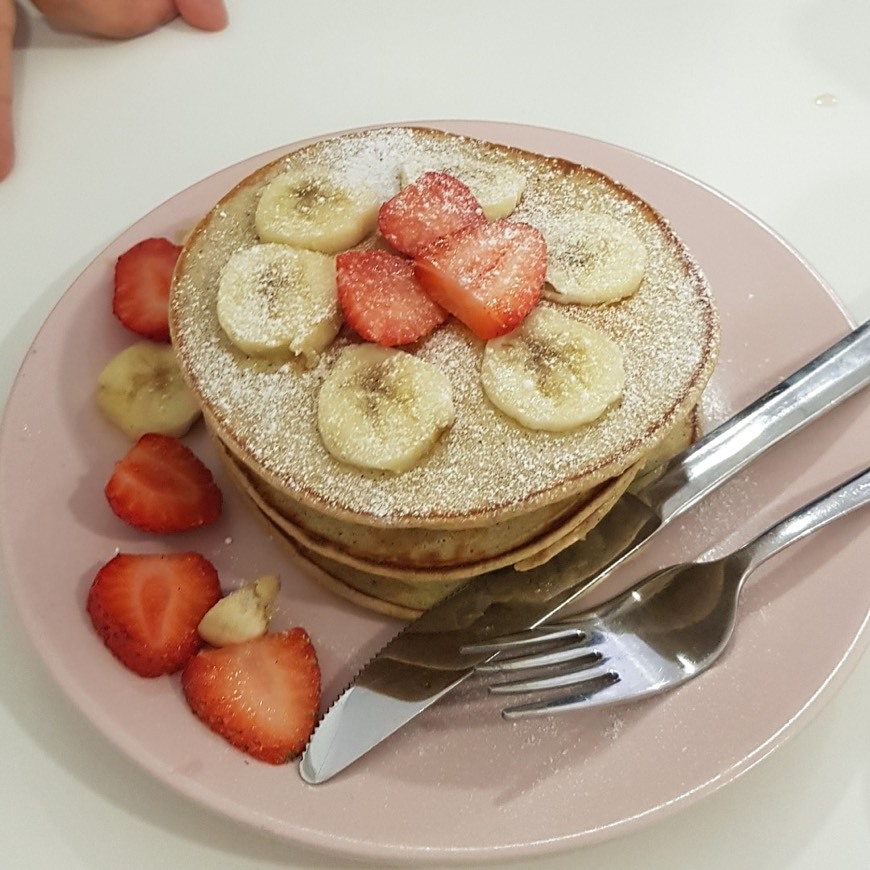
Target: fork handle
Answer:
pixel 800 398
pixel 838 502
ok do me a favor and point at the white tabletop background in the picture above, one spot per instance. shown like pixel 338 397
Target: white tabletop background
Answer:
pixel 767 101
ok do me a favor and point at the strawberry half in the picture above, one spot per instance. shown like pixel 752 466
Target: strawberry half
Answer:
pixel 146 608
pixel 435 205
pixel 261 695
pixel 488 275
pixel 143 276
pixel 382 300
pixel 161 486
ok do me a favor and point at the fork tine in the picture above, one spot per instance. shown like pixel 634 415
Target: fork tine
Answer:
pixel 604 689
pixel 580 655
pixel 559 680
pixel 525 639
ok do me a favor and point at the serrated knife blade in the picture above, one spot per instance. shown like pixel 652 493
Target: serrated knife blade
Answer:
pixel 424 662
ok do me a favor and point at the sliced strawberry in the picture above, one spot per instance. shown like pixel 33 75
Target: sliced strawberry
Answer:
pixel 143 275
pixel 435 205
pixel 261 695
pixel 488 275
pixel 161 486
pixel 382 300
pixel 146 608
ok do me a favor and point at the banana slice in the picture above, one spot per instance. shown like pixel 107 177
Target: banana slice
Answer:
pixel 381 408
pixel 141 390
pixel 497 188
pixel 598 260
pixel 274 298
pixel 552 373
pixel 306 208
pixel 243 614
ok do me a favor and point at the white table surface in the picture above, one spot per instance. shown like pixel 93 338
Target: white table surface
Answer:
pixel 767 101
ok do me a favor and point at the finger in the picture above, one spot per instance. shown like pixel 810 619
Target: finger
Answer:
pixel 115 19
pixel 7 32
pixel 204 14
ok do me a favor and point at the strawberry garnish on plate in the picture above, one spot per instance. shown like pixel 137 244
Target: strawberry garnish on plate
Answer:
pixel 261 695
pixel 488 275
pixel 161 486
pixel 435 205
pixel 381 298
pixel 143 276
pixel 146 608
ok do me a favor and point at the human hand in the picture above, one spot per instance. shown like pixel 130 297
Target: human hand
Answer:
pixel 114 19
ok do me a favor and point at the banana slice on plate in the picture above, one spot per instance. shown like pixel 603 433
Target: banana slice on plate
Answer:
pixel 498 188
pixel 383 409
pixel 596 260
pixel 141 389
pixel 274 300
pixel 308 209
pixel 552 373
pixel 242 614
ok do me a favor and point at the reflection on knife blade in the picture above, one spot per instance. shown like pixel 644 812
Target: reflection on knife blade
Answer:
pixel 424 662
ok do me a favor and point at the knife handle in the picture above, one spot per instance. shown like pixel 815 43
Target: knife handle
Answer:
pixel 831 377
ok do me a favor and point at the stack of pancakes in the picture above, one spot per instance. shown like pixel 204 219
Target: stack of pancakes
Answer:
pixel 491 493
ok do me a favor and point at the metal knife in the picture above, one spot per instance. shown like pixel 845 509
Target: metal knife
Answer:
pixel 424 661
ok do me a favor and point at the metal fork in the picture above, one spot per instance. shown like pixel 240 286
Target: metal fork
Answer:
pixel 665 630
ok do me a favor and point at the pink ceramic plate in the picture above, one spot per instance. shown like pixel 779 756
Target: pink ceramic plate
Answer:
pixel 459 783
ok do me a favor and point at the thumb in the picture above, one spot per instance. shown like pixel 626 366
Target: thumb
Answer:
pixel 203 14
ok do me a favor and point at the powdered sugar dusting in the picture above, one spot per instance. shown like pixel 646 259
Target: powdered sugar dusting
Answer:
pixel 485 466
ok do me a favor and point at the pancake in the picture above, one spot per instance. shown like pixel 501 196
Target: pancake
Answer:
pixel 373 592
pixel 407 598
pixel 490 492
pixel 403 599
pixel 421 555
